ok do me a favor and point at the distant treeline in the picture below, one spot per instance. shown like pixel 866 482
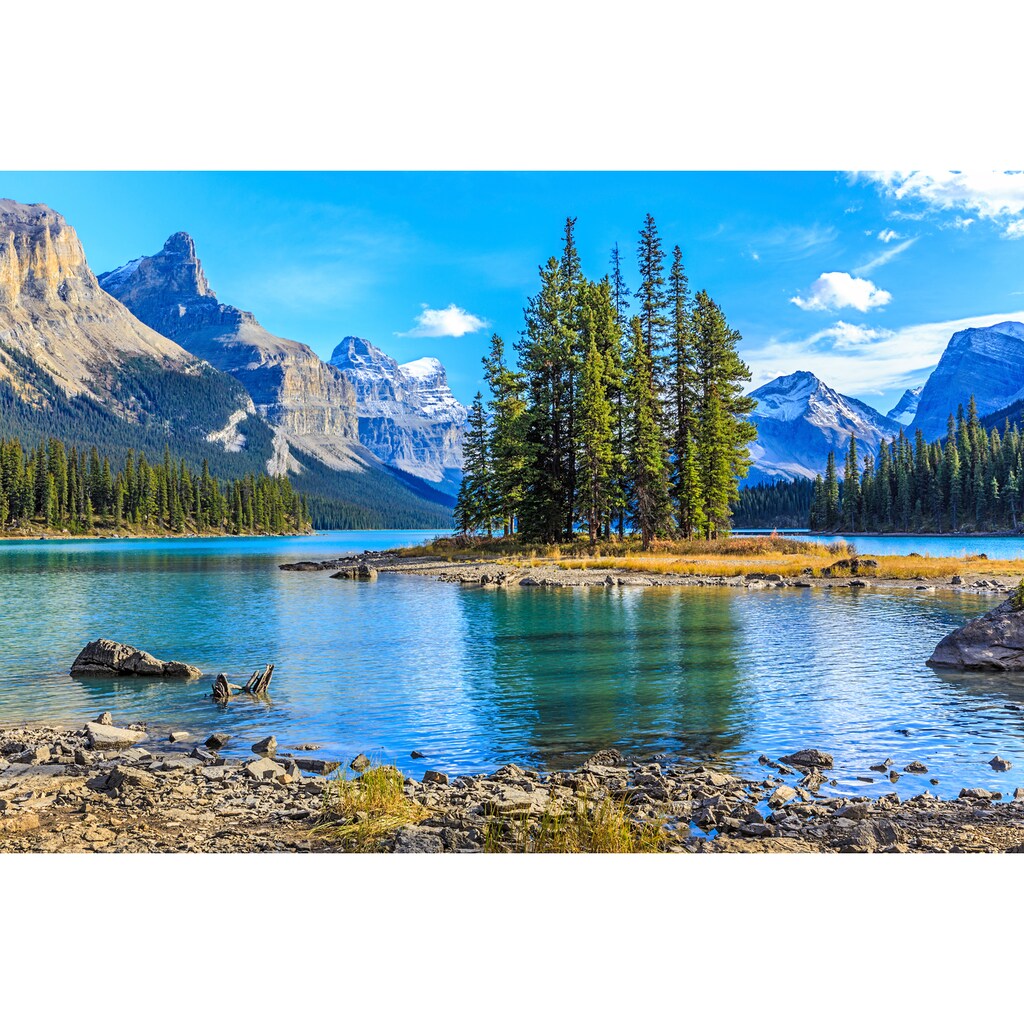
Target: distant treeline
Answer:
pixel 970 480
pixel 53 487
pixel 785 504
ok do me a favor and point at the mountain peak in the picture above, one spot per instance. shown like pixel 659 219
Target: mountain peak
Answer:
pixel 987 362
pixel 903 411
pixel 175 269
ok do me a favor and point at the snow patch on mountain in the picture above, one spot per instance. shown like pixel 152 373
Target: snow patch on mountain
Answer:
pixel 903 411
pixel 800 419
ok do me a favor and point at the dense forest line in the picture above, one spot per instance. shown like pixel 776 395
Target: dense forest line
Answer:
pixel 55 488
pixel 785 505
pixel 607 419
pixel 972 480
pixel 203 402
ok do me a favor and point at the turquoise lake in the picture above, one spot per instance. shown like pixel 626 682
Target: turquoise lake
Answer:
pixel 477 678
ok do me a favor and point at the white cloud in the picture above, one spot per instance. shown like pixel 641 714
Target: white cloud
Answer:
pixel 887 235
pixel 450 322
pixel 962 223
pixel 838 290
pixel 990 195
pixel 1015 229
pixel 885 256
pixel 861 360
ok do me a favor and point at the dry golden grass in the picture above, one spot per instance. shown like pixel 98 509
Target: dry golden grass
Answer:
pixel 731 556
pixel 360 814
pixel 587 826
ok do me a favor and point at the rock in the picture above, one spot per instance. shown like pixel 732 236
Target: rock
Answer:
pixel 105 719
pixel 993 642
pixel 264 768
pixel 431 776
pixel 303 567
pixel 810 758
pixel 24 822
pixel 882 765
pixel 206 757
pixel 956 581
pixel 781 795
pixel 307 746
pixel 1018 793
pixel 360 763
pixel 267 746
pixel 916 768
pixel 217 741
pixel 977 793
pixel 417 754
pixel 410 839
pixel 107 737
pixel 363 572
pixel 179 736
pixel 83 758
pixel 108 657
pixel 894 776
pixel 316 765
pixel 1000 765
pixel 529 581
pixel 608 758
pixel 872 834
pixel 124 776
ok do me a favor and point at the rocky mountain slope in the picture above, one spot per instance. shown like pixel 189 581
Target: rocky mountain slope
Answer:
pixel 408 416
pixel 77 364
pixel 987 362
pixel 71 352
pixel 310 404
pixel 800 419
pixel 905 409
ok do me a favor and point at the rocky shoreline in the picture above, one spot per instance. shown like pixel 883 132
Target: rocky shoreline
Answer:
pixel 103 788
pixel 497 575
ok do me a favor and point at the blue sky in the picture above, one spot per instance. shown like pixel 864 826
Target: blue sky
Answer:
pixel 858 278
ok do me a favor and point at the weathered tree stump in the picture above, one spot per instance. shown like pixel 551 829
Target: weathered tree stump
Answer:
pixel 260 682
pixel 222 689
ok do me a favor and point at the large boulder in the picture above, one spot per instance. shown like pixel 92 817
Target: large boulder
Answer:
pixel 109 658
pixel 994 642
pixel 107 737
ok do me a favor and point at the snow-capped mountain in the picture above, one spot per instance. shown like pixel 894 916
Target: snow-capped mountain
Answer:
pixel 407 414
pixel 800 419
pixel 903 411
pixel 987 362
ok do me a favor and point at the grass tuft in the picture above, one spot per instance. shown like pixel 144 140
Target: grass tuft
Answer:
pixel 360 814
pixel 586 826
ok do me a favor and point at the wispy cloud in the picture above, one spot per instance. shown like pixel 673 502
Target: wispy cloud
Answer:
pixel 862 360
pixel 887 235
pixel 997 196
pixel 839 290
pixel 886 255
pixel 791 242
pixel 450 322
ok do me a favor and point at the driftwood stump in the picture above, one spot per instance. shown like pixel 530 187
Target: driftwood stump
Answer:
pixel 260 682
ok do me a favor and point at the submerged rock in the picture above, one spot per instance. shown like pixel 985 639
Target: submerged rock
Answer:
pixel 108 657
pixel 993 642
pixel 809 758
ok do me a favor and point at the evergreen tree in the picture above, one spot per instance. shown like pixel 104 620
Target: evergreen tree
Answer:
pixel 594 432
pixel 647 470
pixel 474 509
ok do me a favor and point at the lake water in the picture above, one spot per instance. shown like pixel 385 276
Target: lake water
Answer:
pixel 897 544
pixel 476 678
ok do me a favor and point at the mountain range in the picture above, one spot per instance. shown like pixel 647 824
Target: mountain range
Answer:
pixel 147 353
pixel 800 419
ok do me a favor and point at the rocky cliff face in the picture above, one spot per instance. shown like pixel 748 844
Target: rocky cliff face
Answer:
pixel 408 416
pixel 987 362
pixel 310 403
pixel 800 419
pixel 906 408
pixel 53 311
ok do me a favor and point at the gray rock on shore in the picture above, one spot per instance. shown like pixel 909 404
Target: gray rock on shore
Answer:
pixel 993 642
pixel 110 658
